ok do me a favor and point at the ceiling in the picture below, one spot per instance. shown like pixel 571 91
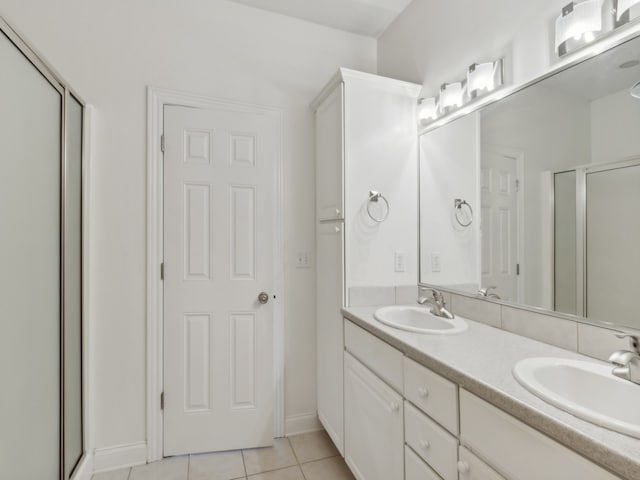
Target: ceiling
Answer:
pixel 364 17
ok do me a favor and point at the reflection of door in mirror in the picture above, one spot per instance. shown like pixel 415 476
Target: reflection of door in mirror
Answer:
pixel 499 221
pixel 613 239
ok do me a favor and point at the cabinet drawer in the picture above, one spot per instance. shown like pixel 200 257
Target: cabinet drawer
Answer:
pixel 432 394
pixel 381 358
pixel 415 468
pixel 516 450
pixel 471 467
pixel 431 442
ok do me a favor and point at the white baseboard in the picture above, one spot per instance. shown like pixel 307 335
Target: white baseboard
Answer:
pixel 301 423
pixel 121 456
pixel 85 468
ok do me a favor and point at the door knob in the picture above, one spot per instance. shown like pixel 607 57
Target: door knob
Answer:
pixel 263 297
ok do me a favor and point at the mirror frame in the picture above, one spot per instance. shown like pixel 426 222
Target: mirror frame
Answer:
pixel 607 42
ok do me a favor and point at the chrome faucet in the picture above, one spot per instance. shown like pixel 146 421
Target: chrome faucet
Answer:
pixel 485 292
pixel 437 302
pixel 627 362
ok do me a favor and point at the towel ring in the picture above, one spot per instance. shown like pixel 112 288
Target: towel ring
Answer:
pixel 459 204
pixel 375 197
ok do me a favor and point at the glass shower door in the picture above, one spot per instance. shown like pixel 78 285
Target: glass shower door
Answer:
pixel 613 239
pixel 30 273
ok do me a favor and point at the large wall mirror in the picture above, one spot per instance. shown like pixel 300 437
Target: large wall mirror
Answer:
pixel 538 194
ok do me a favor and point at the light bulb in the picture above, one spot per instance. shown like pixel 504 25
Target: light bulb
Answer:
pixel 428 109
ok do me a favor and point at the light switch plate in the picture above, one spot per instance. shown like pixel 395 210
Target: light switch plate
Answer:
pixel 435 262
pixel 303 260
pixel 400 261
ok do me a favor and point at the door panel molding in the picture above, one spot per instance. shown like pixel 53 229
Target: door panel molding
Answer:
pixel 157 98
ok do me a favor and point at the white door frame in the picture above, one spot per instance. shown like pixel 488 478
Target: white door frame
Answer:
pixel 157 98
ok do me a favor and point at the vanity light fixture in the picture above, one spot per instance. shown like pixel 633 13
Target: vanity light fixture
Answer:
pixel 451 96
pixel 484 78
pixel 427 109
pixel 622 11
pixel 578 25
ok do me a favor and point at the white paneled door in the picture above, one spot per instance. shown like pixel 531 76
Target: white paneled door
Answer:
pixel 499 186
pixel 219 224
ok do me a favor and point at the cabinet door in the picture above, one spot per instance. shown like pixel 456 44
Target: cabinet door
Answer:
pixel 374 434
pixel 329 157
pixel 330 338
pixel 516 450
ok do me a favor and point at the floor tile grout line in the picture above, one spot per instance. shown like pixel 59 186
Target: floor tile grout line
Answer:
pixel 295 455
pixel 244 464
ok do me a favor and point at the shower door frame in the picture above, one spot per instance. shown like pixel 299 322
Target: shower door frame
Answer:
pixel 581 224
pixel 83 466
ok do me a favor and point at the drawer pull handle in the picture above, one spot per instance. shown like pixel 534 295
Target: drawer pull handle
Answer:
pixel 423 392
pixel 463 467
pixel 337 212
pixel 424 444
pixel 395 406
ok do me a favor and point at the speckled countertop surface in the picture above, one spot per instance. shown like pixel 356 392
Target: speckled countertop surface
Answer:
pixel 480 360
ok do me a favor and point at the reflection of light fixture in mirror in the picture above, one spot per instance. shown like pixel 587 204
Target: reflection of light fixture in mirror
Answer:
pixel 577 25
pixel 451 96
pixel 427 109
pixel 484 78
pixel 622 11
pixel 635 91
pixel 629 64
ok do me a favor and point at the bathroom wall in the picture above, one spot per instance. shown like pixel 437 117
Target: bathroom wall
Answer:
pixel 110 52
pixel 614 134
pixel 381 156
pixel 434 42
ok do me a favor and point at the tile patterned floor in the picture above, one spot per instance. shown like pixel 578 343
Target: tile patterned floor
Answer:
pixel 310 456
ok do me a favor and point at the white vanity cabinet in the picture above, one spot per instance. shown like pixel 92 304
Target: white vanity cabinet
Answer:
pixel 405 422
pixel 471 467
pixel 330 239
pixel 330 156
pixel 373 414
pixel 516 450
pixel 365 140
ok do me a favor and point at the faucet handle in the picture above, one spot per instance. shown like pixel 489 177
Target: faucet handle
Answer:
pixel 621 358
pixel 485 291
pixel 634 341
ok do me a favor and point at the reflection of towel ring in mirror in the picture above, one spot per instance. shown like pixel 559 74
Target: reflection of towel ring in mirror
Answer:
pixel 463 219
pixel 375 197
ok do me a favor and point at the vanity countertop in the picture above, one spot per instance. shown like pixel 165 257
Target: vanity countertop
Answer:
pixel 480 360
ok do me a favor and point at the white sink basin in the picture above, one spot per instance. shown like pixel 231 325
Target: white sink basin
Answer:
pixel 587 390
pixel 418 320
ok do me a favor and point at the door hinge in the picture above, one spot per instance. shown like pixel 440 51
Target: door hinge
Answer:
pixel 517 183
pixel 517 269
pixel 162 271
pixel 162 143
pixel 162 401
